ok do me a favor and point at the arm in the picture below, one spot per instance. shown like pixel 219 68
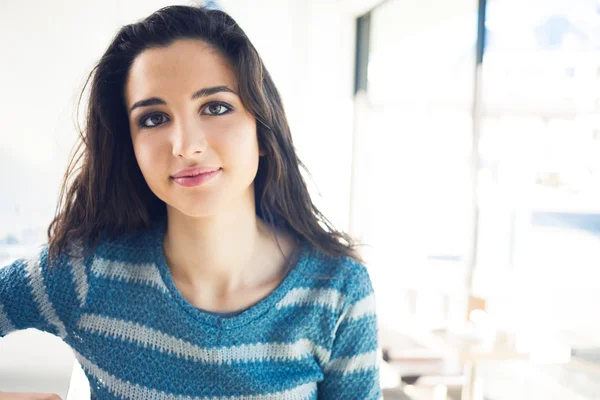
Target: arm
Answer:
pixel 353 369
pixel 35 295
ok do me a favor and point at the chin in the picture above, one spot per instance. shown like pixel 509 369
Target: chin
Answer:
pixel 196 210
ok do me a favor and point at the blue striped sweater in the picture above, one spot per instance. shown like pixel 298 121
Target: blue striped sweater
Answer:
pixel 136 337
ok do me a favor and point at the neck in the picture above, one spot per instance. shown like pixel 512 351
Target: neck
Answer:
pixel 218 251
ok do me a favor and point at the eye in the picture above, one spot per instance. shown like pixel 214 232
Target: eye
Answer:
pixel 155 119
pixel 215 109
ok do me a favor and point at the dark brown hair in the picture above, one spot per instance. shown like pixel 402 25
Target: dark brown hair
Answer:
pixel 108 195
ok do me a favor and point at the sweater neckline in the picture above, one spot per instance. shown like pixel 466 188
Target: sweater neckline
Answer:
pixel 248 315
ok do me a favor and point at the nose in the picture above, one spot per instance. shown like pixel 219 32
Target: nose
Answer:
pixel 189 139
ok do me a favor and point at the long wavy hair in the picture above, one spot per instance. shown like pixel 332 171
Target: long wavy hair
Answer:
pixel 104 194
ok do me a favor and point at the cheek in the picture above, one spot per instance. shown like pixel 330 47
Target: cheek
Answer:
pixel 147 158
pixel 238 144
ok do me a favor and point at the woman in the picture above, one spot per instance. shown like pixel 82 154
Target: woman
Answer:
pixel 186 259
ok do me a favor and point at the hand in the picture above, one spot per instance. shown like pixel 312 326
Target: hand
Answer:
pixel 28 396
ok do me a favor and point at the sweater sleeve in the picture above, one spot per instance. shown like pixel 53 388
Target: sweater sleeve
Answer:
pixel 35 295
pixel 353 368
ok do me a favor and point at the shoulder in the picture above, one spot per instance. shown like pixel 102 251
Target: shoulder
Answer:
pixel 350 277
pixel 139 246
pixel 77 261
pixel 141 239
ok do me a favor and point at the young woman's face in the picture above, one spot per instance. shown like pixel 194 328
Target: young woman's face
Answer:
pixel 177 127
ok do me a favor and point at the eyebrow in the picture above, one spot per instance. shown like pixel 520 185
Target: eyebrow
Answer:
pixel 200 93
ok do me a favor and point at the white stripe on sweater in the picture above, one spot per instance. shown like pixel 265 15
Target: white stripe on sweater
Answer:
pixel 146 274
pixel 40 295
pixel 348 365
pixel 80 280
pixel 362 308
pixel 329 298
pixel 130 391
pixel 154 339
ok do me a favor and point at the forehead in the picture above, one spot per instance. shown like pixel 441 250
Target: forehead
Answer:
pixel 185 65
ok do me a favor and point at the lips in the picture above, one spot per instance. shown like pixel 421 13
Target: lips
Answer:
pixel 191 172
pixel 196 180
pixel 191 175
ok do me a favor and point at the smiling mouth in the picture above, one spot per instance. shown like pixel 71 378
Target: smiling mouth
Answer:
pixel 196 180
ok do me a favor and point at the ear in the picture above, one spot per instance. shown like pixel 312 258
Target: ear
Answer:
pixel 261 151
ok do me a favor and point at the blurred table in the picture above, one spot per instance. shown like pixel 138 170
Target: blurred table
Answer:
pixel 471 353
pixel 439 352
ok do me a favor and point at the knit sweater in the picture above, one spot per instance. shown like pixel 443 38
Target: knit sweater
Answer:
pixel 315 336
